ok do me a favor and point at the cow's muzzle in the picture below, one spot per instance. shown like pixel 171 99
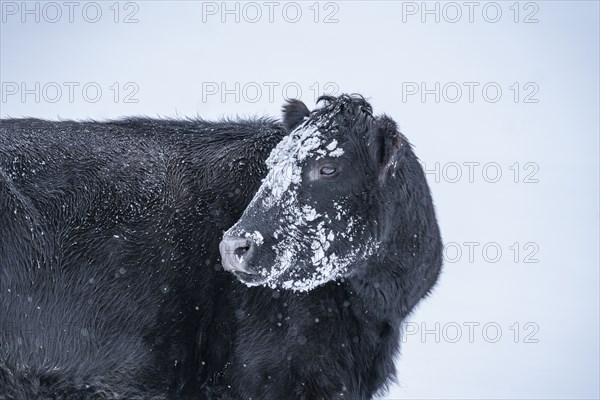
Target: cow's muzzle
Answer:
pixel 236 253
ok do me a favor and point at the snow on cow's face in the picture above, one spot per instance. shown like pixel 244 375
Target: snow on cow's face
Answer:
pixel 313 219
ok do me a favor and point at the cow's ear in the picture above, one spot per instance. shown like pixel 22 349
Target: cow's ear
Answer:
pixel 294 112
pixel 385 142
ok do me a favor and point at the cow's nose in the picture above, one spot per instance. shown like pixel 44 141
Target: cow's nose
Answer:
pixel 236 252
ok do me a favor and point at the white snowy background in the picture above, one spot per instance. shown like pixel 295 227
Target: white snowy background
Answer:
pixel 540 133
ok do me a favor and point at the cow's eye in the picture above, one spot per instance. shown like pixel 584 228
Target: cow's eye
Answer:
pixel 327 170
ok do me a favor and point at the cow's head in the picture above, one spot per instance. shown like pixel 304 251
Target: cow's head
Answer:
pixel 317 215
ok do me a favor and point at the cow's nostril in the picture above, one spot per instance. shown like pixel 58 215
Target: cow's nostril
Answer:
pixel 240 251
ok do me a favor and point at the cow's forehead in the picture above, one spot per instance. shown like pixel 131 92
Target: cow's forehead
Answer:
pixel 305 141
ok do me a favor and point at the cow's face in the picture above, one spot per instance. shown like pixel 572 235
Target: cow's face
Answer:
pixel 315 216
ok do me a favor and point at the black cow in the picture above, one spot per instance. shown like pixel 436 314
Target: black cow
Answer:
pixel 110 285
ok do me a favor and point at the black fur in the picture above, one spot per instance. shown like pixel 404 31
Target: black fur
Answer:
pixel 112 230
pixel 110 284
